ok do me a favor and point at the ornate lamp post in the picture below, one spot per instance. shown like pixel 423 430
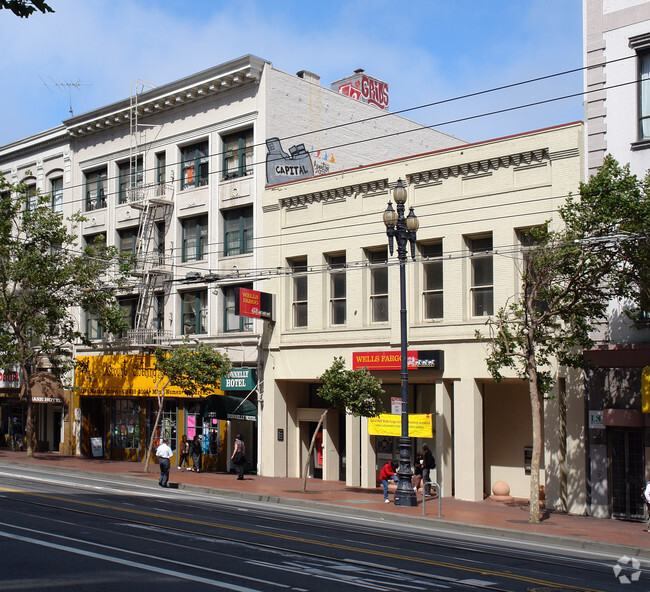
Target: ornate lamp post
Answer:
pixel 403 230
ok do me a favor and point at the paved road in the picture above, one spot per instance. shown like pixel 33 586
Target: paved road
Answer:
pixel 87 533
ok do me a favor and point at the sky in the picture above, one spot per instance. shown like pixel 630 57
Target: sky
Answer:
pixel 427 51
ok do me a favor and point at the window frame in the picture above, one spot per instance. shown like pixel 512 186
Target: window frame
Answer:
pixel 98 201
pixel 337 264
pixel 194 233
pixel 238 222
pixel 198 299
pixel 378 266
pixel 299 292
pixel 479 254
pixel 244 324
pixel 195 156
pixel 56 194
pixel 128 233
pixel 431 254
pixel 242 154
pixel 128 179
pixel 97 331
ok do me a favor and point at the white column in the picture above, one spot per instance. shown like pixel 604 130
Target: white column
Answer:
pixel 352 451
pixel 468 440
pixel 444 397
pixel 368 458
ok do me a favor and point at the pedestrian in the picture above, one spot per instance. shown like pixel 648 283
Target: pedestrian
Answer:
pixel 428 464
pixel 16 434
pixel 239 456
pixel 646 499
pixel 184 453
pixel 164 453
pixel 417 471
pixel 197 452
pixel 387 474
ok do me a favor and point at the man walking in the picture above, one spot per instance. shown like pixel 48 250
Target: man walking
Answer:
pixel 16 434
pixel 164 453
pixel 428 464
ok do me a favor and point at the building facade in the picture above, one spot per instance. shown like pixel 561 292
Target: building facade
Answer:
pixel 174 174
pixel 337 289
pixel 617 122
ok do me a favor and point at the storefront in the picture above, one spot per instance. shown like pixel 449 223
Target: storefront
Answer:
pixel 118 398
pixel 10 404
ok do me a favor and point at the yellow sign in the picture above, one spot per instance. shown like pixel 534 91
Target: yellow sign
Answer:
pixel 645 390
pixel 420 425
pixel 124 376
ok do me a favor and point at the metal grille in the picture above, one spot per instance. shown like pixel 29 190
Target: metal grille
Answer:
pixel 626 453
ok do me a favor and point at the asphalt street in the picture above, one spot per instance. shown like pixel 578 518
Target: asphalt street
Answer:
pixel 88 533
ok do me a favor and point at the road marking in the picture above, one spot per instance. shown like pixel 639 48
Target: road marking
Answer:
pixel 302 540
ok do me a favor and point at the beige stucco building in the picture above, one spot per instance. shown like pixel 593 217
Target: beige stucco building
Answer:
pixel 337 292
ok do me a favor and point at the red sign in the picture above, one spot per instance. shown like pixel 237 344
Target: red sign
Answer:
pixel 364 88
pixel 392 360
pixel 251 303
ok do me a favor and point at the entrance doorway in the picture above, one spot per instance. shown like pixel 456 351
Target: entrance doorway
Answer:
pixel 625 448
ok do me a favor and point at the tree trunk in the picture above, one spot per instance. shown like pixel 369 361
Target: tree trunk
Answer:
pixel 26 395
pixel 536 411
pixel 161 400
pixel 311 450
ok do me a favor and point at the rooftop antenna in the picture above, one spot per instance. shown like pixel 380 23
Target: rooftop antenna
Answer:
pixel 68 85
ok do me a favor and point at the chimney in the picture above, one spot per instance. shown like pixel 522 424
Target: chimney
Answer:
pixel 308 76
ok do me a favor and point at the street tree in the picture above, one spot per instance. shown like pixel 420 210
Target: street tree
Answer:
pixel 195 370
pixel 569 276
pixel 25 8
pixel 356 392
pixel 44 277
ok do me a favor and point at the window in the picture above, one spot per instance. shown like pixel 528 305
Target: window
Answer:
pixel 432 280
pixel 31 196
pixel 194 165
pixel 337 289
pixel 299 291
pixel 96 189
pixel 159 312
pixel 160 242
pixel 195 238
pixel 93 329
pixel 238 231
pixel 238 154
pixel 129 308
pixel 95 239
pixel 130 176
pixel 644 96
pixel 128 239
pixel 161 163
pixel 195 312
pixel 56 188
pixel 126 424
pixel 378 285
pixel 482 290
pixel 233 322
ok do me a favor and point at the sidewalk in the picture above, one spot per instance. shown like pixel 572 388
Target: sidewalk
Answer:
pixel 494 519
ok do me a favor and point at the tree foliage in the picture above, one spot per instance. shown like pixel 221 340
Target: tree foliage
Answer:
pixel 356 392
pixel 44 278
pixel 569 276
pixel 25 8
pixel 194 369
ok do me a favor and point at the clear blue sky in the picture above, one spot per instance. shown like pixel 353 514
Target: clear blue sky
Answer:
pixel 426 51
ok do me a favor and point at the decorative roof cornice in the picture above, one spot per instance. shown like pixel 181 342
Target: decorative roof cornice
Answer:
pixel 226 78
pixel 335 195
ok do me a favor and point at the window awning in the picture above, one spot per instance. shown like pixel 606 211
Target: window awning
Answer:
pixel 229 407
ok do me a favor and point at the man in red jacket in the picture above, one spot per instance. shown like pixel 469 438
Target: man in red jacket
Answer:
pixel 386 474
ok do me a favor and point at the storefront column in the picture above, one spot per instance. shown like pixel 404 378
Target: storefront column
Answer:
pixel 330 453
pixel 274 432
pixel 352 451
pixel 444 398
pixel 368 458
pixel 468 440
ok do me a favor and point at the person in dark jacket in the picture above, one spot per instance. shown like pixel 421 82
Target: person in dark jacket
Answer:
pixel 387 474
pixel 238 457
pixel 197 453
pixel 428 463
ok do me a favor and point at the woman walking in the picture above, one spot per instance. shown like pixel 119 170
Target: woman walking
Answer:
pixel 238 456
pixel 197 453
pixel 184 453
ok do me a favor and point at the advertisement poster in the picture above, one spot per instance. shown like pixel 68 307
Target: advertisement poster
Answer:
pixel 420 425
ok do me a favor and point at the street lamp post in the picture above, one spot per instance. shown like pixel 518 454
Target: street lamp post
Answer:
pixel 403 230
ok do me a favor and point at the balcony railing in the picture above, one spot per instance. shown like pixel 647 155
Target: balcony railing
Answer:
pixel 158 192
pixel 157 337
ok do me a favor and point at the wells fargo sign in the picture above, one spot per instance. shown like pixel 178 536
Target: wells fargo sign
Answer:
pixel 124 376
pixel 392 360
pixel 251 303
pixel 387 424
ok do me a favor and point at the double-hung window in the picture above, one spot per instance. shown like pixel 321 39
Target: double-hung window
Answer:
pixel 161 171
pixel 299 291
pixel 31 196
pixel 93 329
pixel 195 238
pixel 194 165
pixel 130 177
pixel 482 281
pixel 96 189
pixel 56 191
pixel 128 308
pixel 338 289
pixel 432 293
pixel 378 285
pixel 231 321
pixel 128 240
pixel 237 154
pixel 195 312
pixel 644 95
pixel 238 231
